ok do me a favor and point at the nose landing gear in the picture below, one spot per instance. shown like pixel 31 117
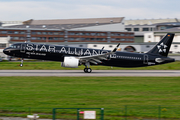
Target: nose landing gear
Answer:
pixel 21 62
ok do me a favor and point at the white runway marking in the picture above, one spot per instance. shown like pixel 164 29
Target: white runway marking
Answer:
pixel 70 73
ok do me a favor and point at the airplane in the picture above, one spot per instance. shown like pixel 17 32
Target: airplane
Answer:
pixel 74 56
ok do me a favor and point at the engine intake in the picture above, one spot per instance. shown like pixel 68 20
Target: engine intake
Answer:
pixel 71 62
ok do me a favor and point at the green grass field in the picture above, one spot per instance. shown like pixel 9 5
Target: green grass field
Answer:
pixel 141 94
pixel 57 66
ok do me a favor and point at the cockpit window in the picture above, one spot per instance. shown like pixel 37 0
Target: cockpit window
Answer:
pixel 12 46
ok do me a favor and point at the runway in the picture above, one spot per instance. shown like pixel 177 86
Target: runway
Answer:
pixel 71 73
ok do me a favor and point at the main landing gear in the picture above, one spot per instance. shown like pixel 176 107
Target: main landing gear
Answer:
pixel 87 69
pixel 21 62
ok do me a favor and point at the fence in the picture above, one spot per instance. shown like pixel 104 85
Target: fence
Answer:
pixel 126 112
pixel 77 113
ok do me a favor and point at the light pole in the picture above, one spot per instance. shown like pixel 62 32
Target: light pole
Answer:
pixel 28 34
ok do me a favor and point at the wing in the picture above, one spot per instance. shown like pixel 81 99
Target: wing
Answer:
pixel 95 59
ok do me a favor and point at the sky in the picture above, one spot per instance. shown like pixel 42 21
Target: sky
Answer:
pixel 22 10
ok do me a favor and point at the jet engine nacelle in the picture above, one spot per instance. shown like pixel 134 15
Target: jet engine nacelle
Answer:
pixel 71 62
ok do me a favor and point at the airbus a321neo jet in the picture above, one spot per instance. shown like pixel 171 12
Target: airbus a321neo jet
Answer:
pixel 75 56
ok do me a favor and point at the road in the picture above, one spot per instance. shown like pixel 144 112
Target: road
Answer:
pixel 71 73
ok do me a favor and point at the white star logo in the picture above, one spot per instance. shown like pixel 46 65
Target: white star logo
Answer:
pixel 162 47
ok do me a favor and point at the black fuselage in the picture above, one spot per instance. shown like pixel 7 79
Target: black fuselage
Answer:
pixel 57 53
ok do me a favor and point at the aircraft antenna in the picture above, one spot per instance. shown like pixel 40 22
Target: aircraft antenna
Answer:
pixel 102 48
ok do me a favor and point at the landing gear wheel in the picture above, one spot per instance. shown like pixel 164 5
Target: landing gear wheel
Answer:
pixel 87 70
pixel 21 64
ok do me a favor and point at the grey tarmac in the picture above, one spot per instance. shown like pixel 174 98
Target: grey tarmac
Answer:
pixel 71 73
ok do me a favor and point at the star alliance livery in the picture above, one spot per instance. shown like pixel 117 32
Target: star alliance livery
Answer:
pixel 75 56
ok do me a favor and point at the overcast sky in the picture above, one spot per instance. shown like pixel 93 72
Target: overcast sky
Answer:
pixel 70 9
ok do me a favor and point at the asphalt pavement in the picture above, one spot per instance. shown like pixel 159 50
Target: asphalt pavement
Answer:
pixel 71 73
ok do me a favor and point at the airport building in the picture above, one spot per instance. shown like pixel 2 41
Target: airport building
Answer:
pixel 10 23
pixel 110 30
pixel 55 35
pixel 151 31
pixel 140 27
pixel 71 32
pixel 156 36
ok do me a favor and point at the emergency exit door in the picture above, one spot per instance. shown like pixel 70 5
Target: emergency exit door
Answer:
pixel 145 59
pixel 23 48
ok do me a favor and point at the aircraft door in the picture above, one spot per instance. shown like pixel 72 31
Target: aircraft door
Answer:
pixel 23 48
pixel 145 59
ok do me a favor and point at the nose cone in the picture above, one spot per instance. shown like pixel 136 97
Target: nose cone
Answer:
pixel 6 51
